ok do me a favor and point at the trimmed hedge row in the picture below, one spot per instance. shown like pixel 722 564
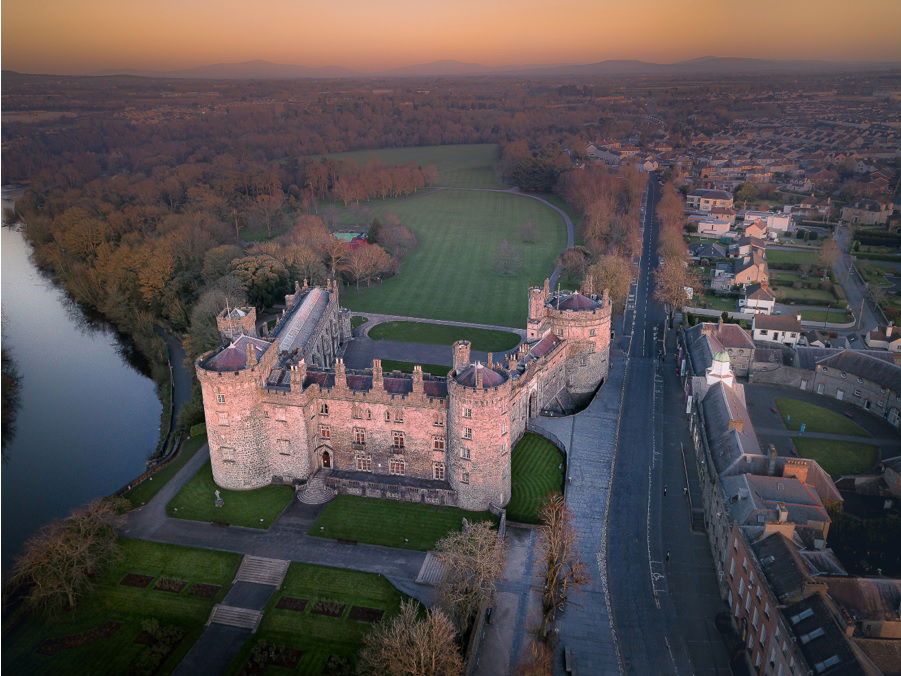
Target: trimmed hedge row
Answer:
pixel 879 257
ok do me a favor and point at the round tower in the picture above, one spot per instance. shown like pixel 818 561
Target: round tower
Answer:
pixel 478 432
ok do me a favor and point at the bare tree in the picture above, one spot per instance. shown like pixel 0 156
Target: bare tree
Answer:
pixel 673 278
pixel 614 273
pixel 829 253
pixel 60 562
pixel 563 566
pixel 527 233
pixel 507 258
pixel 412 645
pixel 474 558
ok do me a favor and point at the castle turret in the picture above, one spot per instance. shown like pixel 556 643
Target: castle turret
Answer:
pixel 479 436
pixel 462 349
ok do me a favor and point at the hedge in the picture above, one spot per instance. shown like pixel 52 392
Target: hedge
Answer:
pixel 879 257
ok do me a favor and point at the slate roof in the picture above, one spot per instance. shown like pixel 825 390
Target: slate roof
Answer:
pixel 808 357
pixel 869 368
pixel 234 357
pixel 821 640
pixel 760 292
pixel 866 598
pixel 711 194
pixel 575 301
pixel 545 345
pixel 777 323
pixel 296 330
pixel 783 566
pixel 468 376
pixel 755 499
pixel 361 381
pixel 721 404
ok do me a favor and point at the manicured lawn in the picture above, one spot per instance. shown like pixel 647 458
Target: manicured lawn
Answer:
pixel 357 320
pixel 407 367
pixel 714 302
pixel 470 165
pixel 451 274
pixel 784 277
pixel 254 509
pixel 144 492
pixel 787 294
pixel 776 256
pixel 389 522
pixel 129 606
pixel 838 457
pixel 836 315
pixel 817 418
pixel 320 636
pixel 537 470
pixel 444 334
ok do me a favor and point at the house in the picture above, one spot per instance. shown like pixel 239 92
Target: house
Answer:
pixel 863 380
pixel 755 500
pixel 706 250
pixel 744 246
pixel 783 329
pixel 867 212
pixel 708 338
pixel 705 200
pixel 778 222
pixel 752 269
pixel 712 227
pixel 722 277
pixel 756 229
pixel 758 298
pixel 724 214
pixel 885 338
pixel 815 339
pixel 891 473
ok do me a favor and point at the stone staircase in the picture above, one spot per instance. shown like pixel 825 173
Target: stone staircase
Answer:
pixel 232 616
pixel 432 571
pixel 262 571
pixel 315 492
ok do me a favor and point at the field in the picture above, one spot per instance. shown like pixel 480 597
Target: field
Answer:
pixel 836 315
pixel 817 418
pixel 321 637
pixel 838 458
pixel 777 256
pixel 537 470
pixel 129 606
pixel 407 367
pixel 713 302
pixel 144 492
pixel 254 509
pixel 459 166
pixel 444 334
pixel 388 522
pixel 452 275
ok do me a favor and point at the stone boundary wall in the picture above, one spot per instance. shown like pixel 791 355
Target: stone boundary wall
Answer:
pixel 534 429
pixel 784 375
pixel 471 659
pixel 164 462
pixel 377 489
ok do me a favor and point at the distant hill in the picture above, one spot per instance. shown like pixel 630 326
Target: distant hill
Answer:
pixel 716 65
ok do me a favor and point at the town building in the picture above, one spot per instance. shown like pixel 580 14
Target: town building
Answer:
pixel 282 409
pixel 873 384
pixel 705 200
pixel 867 212
pixel 785 329
pixel 758 299
pixel 885 338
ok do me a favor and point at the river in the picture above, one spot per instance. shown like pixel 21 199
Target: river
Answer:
pixel 87 420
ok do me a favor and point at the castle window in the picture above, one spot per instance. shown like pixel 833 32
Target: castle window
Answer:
pixel 323 409
pixel 559 332
pixel 227 454
pixel 503 428
pixel 438 470
pixel 467 412
pixel 280 413
pixel 398 439
pixel 284 447
pixel 399 415
pixel 397 467
pixel 592 332
pixel 439 421
pixel 467 433
pixel 583 361
pixel 223 418
pixel 464 477
pixel 359 436
pixel 363 462
pixel 325 431
pixel 357 412
pixel 387 416
pixel 368 414
pixel 464 453
pixel 220 398
pixel 437 443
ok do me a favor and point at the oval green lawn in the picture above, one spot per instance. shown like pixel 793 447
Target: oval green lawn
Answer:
pixel 816 418
pixel 487 340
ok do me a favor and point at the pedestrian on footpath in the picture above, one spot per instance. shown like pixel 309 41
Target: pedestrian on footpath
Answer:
pixel 685 491
pixel 664 491
pixel 667 556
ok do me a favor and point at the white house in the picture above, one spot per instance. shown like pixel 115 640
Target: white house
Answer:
pixel 758 299
pixel 783 329
pixel 778 222
pixel 885 338
pixel 705 200
pixel 713 227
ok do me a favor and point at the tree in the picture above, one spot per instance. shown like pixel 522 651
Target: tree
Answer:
pixel 336 253
pixel 507 258
pixel 217 261
pixel 59 563
pixel 673 277
pixel 366 262
pixel 562 566
pixel 613 273
pixel 829 253
pixel 528 233
pixel 746 193
pixel 573 261
pixel 473 558
pixel 265 279
pixel 412 645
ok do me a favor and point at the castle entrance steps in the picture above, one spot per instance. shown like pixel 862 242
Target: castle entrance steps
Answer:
pixel 244 618
pixel 432 571
pixel 315 492
pixel 260 570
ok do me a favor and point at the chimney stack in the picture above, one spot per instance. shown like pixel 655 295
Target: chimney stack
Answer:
pixel 462 350
pixel 737 425
pixel 377 381
pixel 783 512
pixel 340 373
pixel 251 355
pixel 479 377
pixel 417 379
pixel 771 460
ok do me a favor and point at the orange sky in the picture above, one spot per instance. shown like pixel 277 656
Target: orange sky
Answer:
pixel 65 36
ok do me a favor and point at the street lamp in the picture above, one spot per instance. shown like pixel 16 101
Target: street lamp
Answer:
pixel 827 317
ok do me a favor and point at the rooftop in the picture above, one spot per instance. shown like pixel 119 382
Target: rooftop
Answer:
pixel 574 301
pixel 234 356
pixel 470 376
pixel 777 323
pixel 883 373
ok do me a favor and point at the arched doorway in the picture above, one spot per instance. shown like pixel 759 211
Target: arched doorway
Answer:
pixel 326 460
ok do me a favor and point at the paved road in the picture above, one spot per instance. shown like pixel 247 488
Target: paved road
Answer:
pixel 855 289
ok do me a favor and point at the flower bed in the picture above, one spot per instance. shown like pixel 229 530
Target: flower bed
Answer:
pixel 168 584
pixel 328 608
pixel 53 645
pixel 291 603
pixel 135 580
pixel 364 614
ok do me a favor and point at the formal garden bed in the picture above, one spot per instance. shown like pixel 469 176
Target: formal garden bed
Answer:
pixel 253 509
pixel 537 468
pixel 794 412
pixel 111 624
pixel 390 523
pixel 325 643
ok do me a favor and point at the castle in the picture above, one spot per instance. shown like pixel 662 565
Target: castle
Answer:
pixel 280 409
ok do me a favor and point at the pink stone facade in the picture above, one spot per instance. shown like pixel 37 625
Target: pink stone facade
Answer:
pixel 279 418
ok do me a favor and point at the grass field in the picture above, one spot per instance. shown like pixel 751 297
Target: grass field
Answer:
pixel 451 275
pixel 817 418
pixel 407 367
pixel 537 470
pixel 254 509
pixel 459 166
pixel 129 606
pixel 838 458
pixel 144 492
pixel 776 256
pixel 837 315
pixel 787 294
pixel 319 637
pixel 389 522
pixel 714 302
pixel 444 334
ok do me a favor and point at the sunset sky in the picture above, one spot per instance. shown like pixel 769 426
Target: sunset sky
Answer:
pixel 64 36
